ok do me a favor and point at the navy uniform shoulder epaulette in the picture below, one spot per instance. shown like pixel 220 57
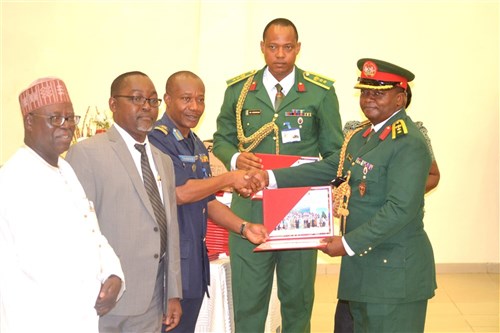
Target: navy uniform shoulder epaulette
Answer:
pixel 162 128
pixel 319 80
pixel 240 77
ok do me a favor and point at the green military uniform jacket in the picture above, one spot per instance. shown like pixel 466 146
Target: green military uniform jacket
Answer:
pixel 311 106
pixel 393 261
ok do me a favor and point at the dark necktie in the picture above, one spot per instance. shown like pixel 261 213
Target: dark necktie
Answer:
pixel 279 96
pixel 154 195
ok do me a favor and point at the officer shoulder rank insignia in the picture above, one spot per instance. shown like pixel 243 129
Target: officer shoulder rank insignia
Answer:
pixel 397 129
pixel 240 77
pixel 319 80
pixel 162 128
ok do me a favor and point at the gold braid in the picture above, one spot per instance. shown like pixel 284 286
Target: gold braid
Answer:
pixel 342 193
pixel 255 139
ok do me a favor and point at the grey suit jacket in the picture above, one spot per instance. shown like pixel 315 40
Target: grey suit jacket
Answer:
pixel 111 180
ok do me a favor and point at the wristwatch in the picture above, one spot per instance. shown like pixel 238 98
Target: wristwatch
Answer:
pixel 242 229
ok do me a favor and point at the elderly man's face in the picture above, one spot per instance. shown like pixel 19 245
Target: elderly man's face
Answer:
pixel 185 102
pixel 280 48
pixel 379 105
pixel 47 140
pixel 137 120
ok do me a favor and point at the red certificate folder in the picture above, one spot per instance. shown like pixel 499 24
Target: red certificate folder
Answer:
pixel 272 161
pixel 297 218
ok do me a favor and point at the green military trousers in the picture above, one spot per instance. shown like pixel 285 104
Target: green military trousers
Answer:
pixel 252 278
pixel 389 318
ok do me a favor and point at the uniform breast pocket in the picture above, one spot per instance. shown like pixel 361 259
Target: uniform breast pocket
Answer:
pixel 189 166
pixel 305 122
pixel 385 272
pixel 367 178
pixel 251 120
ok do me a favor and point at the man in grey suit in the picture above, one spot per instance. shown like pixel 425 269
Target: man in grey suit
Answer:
pixel 111 170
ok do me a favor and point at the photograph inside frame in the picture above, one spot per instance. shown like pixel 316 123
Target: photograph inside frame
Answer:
pixel 298 217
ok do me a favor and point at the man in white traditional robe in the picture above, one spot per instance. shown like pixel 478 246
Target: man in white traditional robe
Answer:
pixel 57 271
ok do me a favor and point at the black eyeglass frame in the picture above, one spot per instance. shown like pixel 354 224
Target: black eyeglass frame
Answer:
pixel 141 100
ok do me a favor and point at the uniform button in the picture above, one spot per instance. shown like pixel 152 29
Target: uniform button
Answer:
pixel 204 210
pixel 369 249
pixel 156 256
pixel 248 124
pixel 155 229
pixel 353 164
pixel 275 115
pixel 361 254
pixel 385 261
pixel 274 138
pixel 366 252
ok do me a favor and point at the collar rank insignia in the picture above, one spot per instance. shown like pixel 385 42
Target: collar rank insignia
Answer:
pixel 399 128
pixel 177 134
pixel 385 132
pixel 253 86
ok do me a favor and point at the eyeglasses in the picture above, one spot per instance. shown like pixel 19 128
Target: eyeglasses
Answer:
pixel 58 121
pixel 140 100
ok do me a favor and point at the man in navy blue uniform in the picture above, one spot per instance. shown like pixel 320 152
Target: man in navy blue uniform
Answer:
pixel 195 188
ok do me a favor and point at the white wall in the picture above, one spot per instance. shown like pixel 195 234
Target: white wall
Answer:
pixel 451 46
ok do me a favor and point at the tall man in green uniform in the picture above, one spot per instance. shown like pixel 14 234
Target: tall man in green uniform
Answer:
pixel 387 272
pixel 279 109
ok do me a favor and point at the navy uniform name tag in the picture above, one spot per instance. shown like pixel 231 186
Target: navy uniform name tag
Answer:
pixel 187 158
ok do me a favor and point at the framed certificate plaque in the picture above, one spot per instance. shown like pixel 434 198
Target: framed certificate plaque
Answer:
pixel 298 217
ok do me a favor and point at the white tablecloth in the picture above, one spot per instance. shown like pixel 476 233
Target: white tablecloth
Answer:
pixel 216 314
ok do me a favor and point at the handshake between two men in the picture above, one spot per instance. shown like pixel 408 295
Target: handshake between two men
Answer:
pixel 249 178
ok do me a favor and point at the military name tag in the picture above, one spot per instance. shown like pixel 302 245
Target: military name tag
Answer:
pixel 254 112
